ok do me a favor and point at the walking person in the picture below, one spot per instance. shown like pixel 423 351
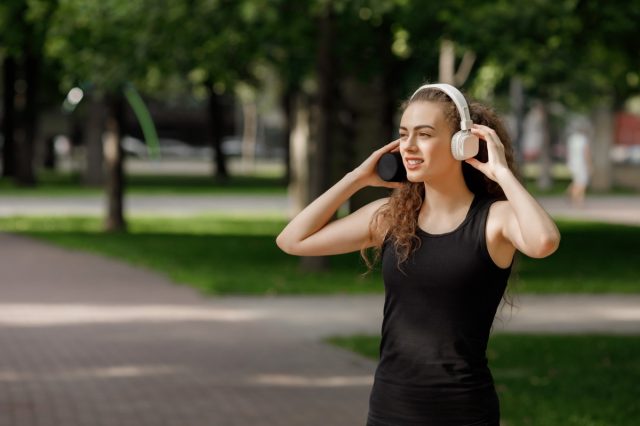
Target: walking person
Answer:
pixel 446 238
pixel 579 162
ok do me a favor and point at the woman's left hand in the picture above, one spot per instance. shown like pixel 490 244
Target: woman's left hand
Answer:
pixel 497 162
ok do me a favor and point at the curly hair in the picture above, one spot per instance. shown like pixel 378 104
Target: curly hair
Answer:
pixel 397 220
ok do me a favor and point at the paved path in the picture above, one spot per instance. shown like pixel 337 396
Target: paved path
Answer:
pixel 90 341
pixel 624 209
pixel 611 208
pixel 170 205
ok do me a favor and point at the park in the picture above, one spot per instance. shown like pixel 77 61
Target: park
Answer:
pixel 153 151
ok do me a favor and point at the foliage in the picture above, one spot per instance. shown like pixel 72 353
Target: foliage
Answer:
pixel 570 51
pixel 111 42
pixel 11 26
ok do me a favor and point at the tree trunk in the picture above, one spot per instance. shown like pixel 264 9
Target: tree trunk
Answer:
pixel 249 135
pixel 300 162
pixel 544 174
pixel 516 98
pixel 8 117
pixel 447 65
pixel 94 171
pixel 601 179
pixel 447 62
pixel 216 132
pixel 114 161
pixel 287 108
pixel 373 120
pixel 327 91
pixel 28 121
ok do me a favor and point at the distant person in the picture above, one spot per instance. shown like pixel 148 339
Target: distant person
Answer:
pixel 533 132
pixel 447 237
pixel 579 163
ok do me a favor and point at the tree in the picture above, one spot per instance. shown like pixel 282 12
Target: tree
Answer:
pixel 218 48
pixel 578 53
pixel 22 29
pixel 107 45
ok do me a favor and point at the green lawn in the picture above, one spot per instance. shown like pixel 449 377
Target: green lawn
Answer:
pixel 225 255
pixel 65 184
pixel 219 255
pixel 556 380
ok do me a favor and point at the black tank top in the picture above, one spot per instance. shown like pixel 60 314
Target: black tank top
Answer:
pixel 438 311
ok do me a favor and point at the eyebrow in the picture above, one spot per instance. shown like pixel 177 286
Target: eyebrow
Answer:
pixel 419 127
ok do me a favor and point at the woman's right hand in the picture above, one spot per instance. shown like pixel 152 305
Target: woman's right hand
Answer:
pixel 312 232
pixel 366 172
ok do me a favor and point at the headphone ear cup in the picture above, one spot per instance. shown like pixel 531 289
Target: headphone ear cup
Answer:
pixel 390 168
pixel 464 145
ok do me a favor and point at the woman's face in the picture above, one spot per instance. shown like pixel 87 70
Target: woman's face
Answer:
pixel 425 141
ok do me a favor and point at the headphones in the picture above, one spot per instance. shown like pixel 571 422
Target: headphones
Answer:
pixel 464 144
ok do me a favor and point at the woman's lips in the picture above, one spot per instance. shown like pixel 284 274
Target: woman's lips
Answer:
pixel 412 164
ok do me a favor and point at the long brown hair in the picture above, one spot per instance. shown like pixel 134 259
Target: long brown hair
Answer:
pixel 398 219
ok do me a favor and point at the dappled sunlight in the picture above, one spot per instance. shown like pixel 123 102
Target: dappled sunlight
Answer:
pixel 622 314
pixel 112 372
pixel 32 315
pixel 294 380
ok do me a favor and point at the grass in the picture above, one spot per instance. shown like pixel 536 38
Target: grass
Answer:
pixel 67 184
pixel 218 255
pixel 549 380
pixel 592 258
pixel 238 255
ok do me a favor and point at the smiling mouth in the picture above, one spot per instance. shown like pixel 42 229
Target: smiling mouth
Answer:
pixel 414 162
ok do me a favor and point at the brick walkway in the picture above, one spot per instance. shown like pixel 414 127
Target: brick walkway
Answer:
pixel 89 341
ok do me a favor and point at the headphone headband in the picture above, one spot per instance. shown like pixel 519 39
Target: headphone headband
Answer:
pixel 457 97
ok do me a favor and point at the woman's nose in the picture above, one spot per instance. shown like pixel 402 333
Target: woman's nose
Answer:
pixel 410 142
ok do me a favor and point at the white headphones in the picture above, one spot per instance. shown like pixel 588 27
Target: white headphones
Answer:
pixel 464 144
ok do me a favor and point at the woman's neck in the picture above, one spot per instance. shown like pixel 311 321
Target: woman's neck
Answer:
pixel 446 195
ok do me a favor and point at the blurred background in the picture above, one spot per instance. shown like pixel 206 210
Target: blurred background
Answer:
pixel 180 136
pixel 265 88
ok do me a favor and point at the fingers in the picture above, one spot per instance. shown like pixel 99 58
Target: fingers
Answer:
pixel 475 163
pixel 486 133
pixel 393 185
pixel 390 146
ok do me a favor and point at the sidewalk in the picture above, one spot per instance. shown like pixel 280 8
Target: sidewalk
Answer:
pixel 623 209
pixel 610 208
pixel 91 341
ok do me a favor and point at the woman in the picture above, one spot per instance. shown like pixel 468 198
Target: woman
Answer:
pixel 447 238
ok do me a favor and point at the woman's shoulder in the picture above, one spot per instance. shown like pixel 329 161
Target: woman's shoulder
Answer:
pixel 498 207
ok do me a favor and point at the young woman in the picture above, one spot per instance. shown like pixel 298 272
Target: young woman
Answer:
pixel 447 238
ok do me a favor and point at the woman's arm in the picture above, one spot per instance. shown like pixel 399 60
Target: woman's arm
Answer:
pixel 308 234
pixel 525 223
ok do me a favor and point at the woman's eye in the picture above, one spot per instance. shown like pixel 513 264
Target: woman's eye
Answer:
pixel 424 135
